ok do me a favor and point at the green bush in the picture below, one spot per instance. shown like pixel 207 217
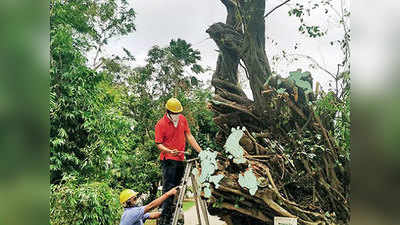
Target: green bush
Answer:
pixel 90 203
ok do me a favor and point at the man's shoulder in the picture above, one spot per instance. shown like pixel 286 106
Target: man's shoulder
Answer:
pixel 161 121
pixel 132 215
pixel 183 117
pixel 135 211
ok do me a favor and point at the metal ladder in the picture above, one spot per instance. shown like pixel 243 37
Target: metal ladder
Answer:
pixel 200 203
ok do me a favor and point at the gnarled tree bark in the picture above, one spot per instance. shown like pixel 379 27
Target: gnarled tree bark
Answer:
pixel 242 37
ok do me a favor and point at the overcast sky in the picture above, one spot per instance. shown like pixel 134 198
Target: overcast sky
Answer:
pixel 159 21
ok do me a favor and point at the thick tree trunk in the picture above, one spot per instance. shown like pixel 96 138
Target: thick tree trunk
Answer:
pixel 227 38
pixel 242 37
pixel 253 50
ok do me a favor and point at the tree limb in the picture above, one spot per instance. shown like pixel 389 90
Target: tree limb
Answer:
pixel 229 104
pixel 316 64
pixel 253 213
pixel 243 100
pixel 276 7
pixel 223 84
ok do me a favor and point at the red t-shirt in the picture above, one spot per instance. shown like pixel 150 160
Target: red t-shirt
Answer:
pixel 172 137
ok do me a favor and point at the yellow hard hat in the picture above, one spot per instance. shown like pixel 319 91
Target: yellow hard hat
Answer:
pixel 174 105
pixel 126 194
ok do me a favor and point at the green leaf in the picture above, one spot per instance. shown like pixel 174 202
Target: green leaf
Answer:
pixel 297 76
pixel 281 91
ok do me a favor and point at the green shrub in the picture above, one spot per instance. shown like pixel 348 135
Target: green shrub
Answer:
pixel 90 203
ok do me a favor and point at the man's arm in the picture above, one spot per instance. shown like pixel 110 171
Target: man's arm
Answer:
pixel 192 141
pixel 154 215
pixel 159 200
pixel 162 148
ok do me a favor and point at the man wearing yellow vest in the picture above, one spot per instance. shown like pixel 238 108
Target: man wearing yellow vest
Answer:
pixel 171 133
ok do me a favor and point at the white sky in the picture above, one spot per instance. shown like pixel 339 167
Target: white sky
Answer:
pixel 159 21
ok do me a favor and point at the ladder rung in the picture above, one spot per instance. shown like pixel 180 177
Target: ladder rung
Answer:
pixel 182 192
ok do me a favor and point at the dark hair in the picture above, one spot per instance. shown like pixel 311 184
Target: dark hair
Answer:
pixel 169 112
pixel 128 203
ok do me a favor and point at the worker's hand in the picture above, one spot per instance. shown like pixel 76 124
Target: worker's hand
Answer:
pixel 174 152
pixel 172 191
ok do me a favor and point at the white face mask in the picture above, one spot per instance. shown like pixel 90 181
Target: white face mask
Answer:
pixel 174 119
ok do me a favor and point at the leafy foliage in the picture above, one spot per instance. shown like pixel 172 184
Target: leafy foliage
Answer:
pixel 88 203
pixel 301 11
pixel 297 77
pixel 95 22
pixel 87 124
pixel 166 66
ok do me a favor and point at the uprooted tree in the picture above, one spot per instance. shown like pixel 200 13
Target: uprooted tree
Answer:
pixel 295 141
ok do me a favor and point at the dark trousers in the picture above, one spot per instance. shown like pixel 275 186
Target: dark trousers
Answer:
pixel 172 172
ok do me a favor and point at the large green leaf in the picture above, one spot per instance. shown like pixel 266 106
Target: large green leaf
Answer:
pixel 298 78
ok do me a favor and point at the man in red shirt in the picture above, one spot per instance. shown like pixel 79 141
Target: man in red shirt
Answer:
pixel 171 133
